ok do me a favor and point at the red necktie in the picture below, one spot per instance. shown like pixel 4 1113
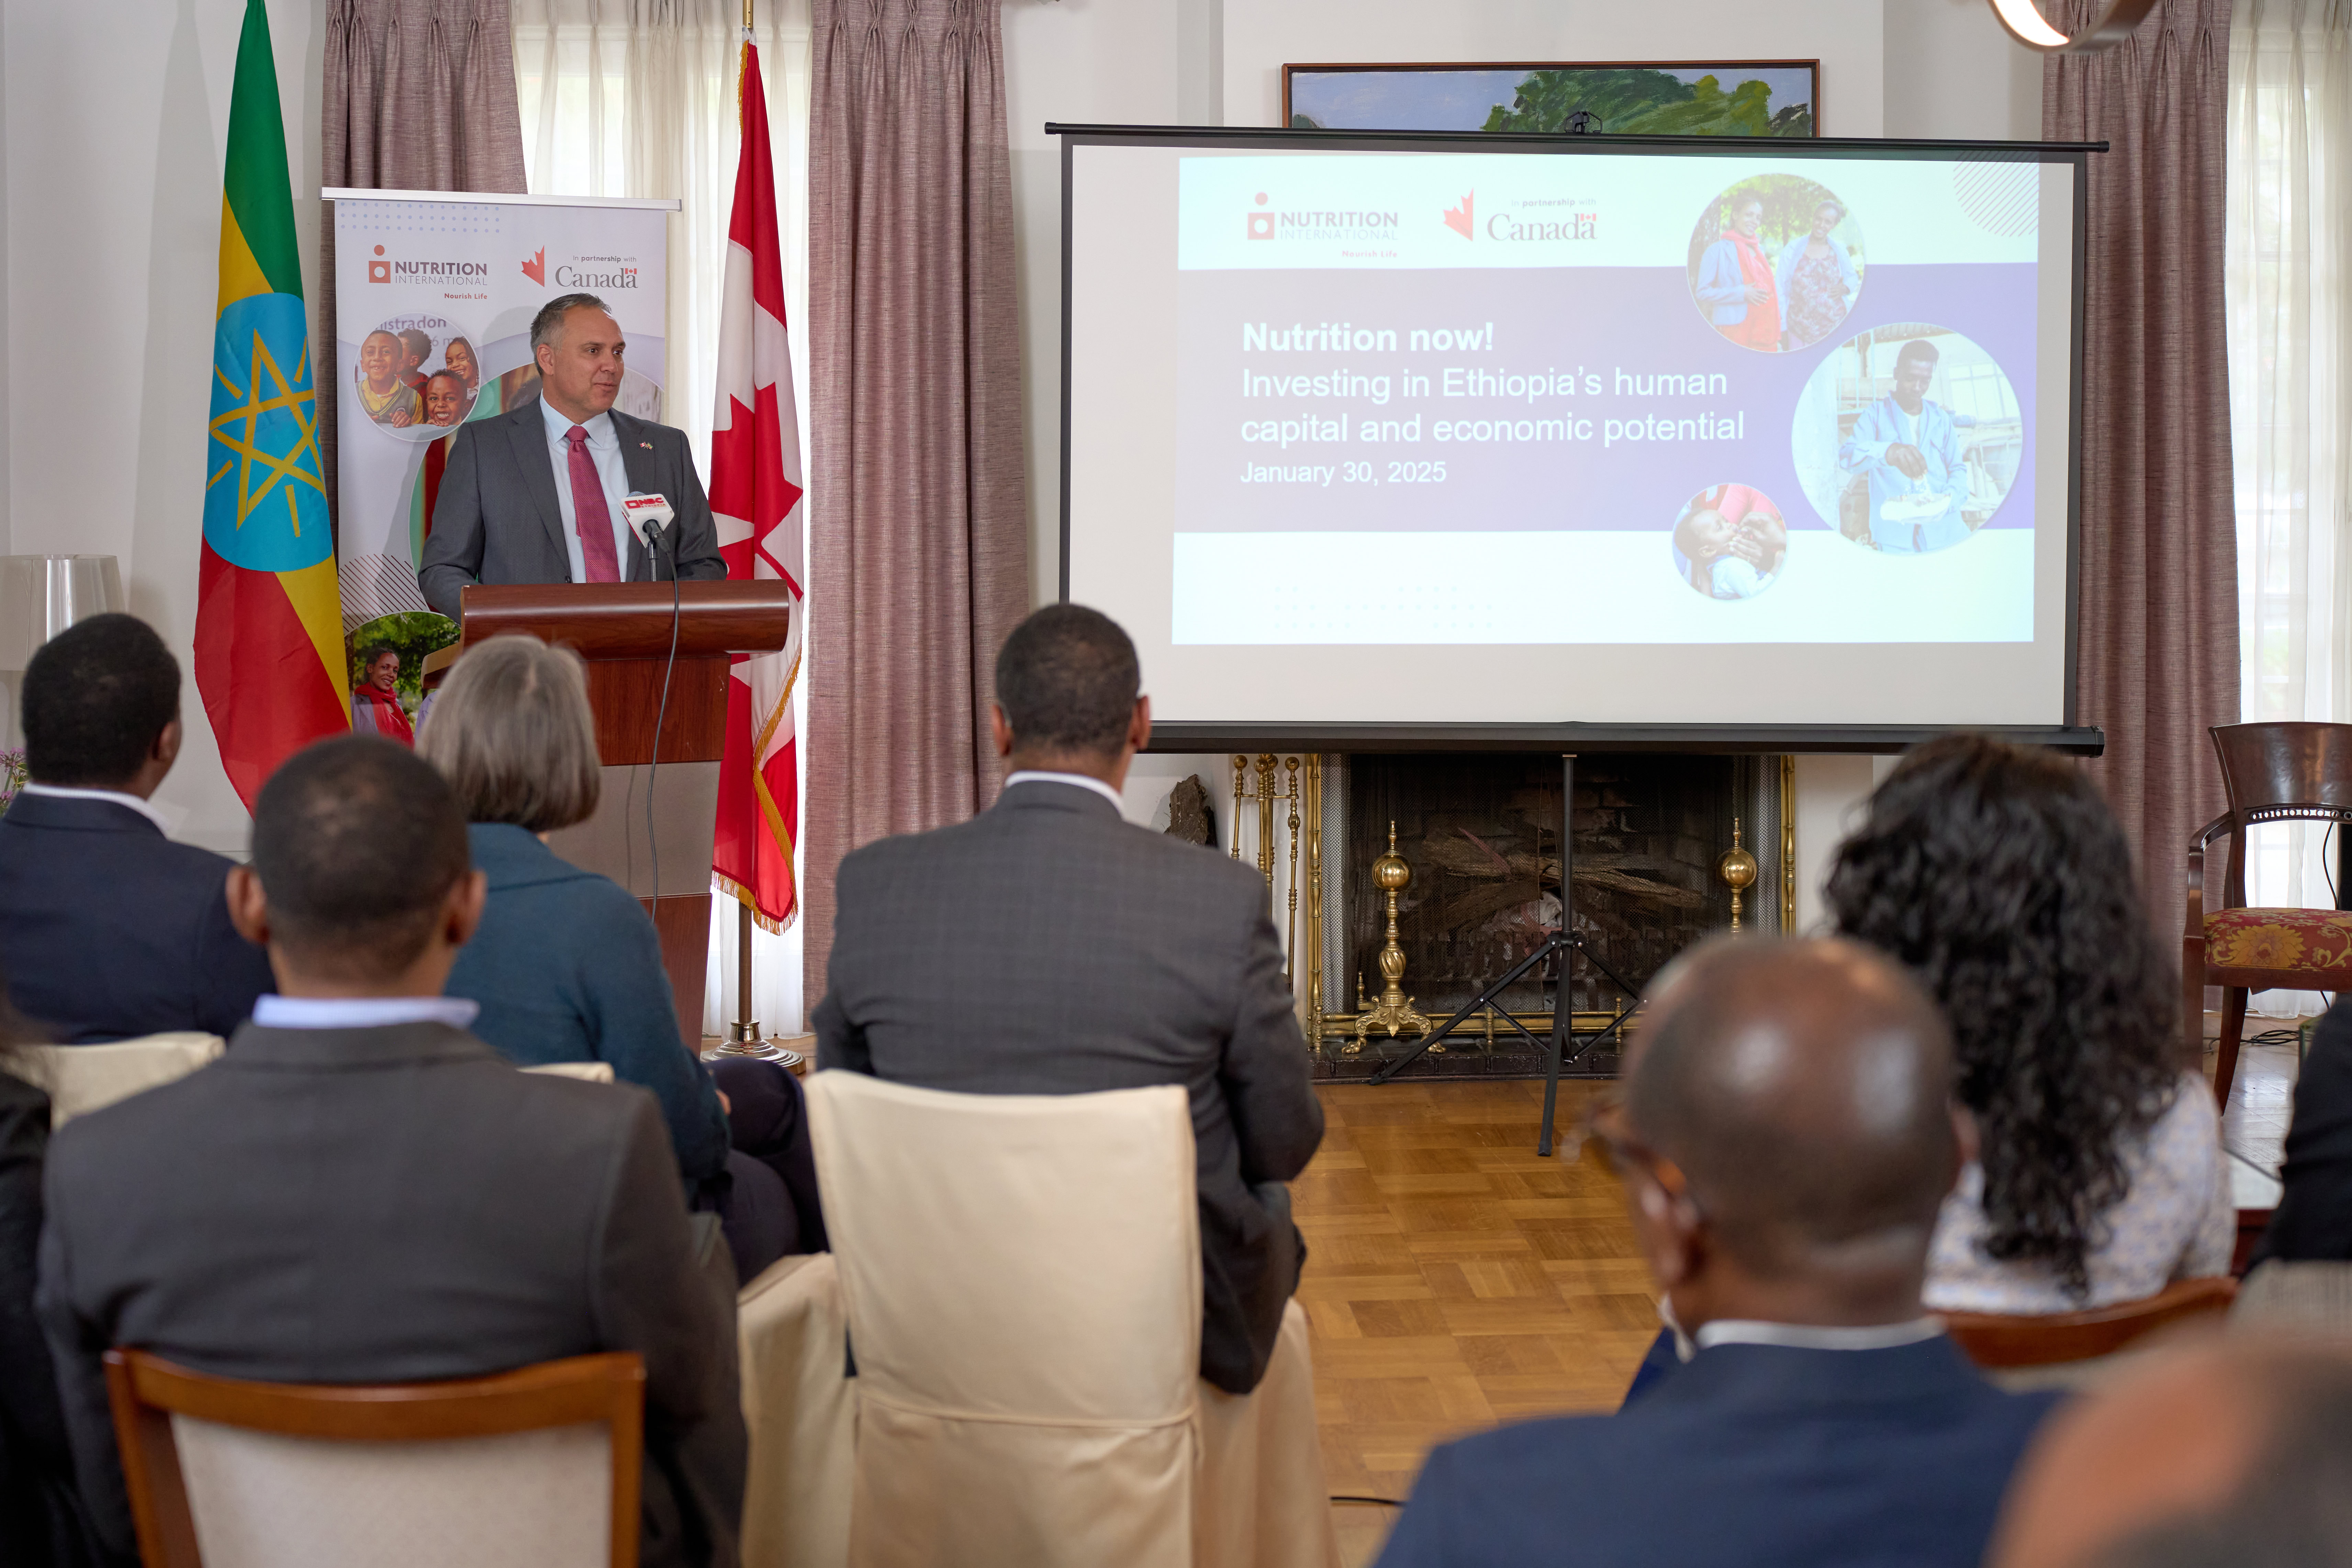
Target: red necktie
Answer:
pixel 590 518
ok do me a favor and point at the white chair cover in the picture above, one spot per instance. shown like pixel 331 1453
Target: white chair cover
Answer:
pixel 1022 1280
pixel 79 1079
pixel 793 1337
pixel 586 1072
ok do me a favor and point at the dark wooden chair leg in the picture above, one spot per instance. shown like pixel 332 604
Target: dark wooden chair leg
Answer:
pixel 2233 1027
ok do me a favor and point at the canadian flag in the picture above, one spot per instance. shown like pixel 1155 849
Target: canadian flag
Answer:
pixel 755 499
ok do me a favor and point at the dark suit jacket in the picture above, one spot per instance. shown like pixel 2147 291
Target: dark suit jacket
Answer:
pixel 497 519
pixel 109 930
pixel 1049 947
pixel 41 1521
pixel 1751 1455
pixel 390 1205
pixel 2313 1218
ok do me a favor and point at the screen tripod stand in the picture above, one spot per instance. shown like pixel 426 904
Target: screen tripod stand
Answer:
pixel 1562 946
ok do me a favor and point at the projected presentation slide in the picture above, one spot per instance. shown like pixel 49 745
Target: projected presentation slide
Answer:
pixel 1670 437
pixel 1734 396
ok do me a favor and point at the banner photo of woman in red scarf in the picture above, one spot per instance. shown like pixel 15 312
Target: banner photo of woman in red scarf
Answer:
pixel 1776 263
pixel 376 708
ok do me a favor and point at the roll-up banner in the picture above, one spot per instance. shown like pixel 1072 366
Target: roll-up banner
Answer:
pixel 435 292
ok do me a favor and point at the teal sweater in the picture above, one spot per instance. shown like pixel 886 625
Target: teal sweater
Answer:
pixel 567 969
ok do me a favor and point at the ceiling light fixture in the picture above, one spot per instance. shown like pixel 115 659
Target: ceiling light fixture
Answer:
pixel 2030 28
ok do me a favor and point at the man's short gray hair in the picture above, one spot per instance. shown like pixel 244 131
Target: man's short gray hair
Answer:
pixel 550 319
pixel 512 733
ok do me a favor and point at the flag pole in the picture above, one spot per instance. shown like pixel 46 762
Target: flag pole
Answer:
pixel 747 1028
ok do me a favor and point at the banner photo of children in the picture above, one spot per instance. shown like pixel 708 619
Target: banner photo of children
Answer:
pixel 1730 542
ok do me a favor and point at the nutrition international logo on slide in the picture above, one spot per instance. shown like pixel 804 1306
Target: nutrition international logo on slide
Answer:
pixel 1353 228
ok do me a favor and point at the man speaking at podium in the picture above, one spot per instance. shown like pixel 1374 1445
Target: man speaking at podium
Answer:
pixel 534 496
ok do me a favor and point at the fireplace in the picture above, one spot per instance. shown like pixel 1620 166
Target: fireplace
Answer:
pixel 1480 833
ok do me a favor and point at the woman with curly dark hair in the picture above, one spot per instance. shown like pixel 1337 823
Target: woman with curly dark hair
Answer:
pixel 1999 877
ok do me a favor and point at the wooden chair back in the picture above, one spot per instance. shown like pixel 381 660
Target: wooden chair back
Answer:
pixel 1995 1341
pixel 151 1397
pixel 2281 773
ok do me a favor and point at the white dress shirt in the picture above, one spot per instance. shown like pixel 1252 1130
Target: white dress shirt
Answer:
pixel 1796 1336
pixel 1084 781
pixel 60 792
pixel 604 450
pixel 275 1012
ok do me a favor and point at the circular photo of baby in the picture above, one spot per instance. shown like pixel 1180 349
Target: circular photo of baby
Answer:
pixel 417 377
pixel 1776 263
pixel 1908 439
pixel 1730 542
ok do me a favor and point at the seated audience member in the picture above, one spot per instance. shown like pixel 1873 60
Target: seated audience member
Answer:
pixel 1049 947
pixel 1997 876
pixel 1786 1138
pixel 2230 1453
pixel 108 929
pixel 2313 1221
pixel 42 1524
pixel 362 1192
pixel 567 967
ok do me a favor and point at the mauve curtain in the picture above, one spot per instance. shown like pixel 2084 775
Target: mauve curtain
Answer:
pixel 918 547
pixel 2158 628
pixel 419 95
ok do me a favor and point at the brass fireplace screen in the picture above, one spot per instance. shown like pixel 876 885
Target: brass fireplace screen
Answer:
pixel 1664 844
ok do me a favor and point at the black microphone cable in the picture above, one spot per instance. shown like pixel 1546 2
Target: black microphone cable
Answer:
pixel 661 713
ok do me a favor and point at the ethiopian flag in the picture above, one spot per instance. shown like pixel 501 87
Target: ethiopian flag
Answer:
pixel 270 645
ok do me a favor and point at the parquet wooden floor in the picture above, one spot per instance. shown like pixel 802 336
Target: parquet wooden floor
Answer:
pixel 1453 1279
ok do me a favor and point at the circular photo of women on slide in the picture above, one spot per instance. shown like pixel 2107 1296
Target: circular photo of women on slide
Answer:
pixel 1908 439
pixel 1730 542
pixel 417 376
pixel 1776 263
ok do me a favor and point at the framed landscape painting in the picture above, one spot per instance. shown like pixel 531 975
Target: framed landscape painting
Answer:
pixel 1620 97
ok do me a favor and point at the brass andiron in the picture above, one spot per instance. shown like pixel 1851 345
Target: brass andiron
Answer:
pixel 1268 793
pixel 1394 1012
pixel 1737 870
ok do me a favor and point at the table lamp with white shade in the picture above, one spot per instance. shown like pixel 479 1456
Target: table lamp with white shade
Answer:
pixel 41 595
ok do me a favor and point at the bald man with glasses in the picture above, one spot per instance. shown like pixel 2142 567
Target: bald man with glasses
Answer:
pixel 1786 1138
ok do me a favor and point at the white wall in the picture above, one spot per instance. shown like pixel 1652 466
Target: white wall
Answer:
pixel 115 118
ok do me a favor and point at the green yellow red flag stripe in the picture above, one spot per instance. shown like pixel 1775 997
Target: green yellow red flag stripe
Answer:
pixel 269 647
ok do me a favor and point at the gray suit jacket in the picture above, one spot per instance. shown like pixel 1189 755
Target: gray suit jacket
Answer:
pixel 391 1205
pixel 1049 947
pixel 497 519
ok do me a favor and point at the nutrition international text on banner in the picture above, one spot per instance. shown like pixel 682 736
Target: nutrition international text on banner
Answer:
pixel 433 299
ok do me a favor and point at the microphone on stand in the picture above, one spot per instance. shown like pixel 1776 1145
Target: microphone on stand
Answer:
pixel 650 515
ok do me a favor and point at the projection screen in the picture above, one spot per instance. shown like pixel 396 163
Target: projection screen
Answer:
pixel 1367 439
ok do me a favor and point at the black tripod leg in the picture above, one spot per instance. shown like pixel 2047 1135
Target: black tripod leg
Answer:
pixel 1561 1019
pixel 1484 999
pixel 1560 1029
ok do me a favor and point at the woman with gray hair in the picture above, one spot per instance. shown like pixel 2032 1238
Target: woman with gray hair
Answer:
pixel 566 967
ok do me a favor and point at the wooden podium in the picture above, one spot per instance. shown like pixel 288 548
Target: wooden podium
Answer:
pixel 623 631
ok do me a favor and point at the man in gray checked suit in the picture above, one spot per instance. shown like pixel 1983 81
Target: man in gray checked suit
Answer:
pixel 1049 947
pixel 534 495
pixel 362 1192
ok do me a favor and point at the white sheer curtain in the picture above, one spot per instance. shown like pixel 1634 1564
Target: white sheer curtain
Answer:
pixel 636 98
pixel 2290 157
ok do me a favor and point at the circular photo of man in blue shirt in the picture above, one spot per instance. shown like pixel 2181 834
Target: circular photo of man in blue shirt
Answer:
pixel 1908 439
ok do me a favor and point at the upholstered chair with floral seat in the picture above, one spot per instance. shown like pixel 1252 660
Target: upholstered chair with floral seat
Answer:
pixel 2273 772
